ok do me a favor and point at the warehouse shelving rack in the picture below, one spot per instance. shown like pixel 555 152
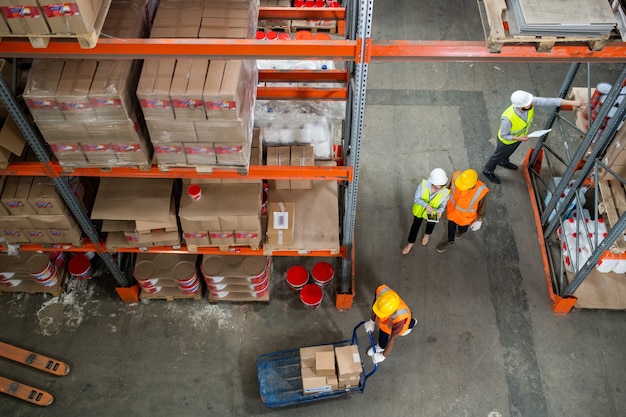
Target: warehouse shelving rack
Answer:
pixel 358 50
pixel 581 171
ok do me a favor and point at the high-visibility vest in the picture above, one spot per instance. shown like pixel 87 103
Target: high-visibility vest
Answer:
pixel 435 202
pixel 519 126
pixel 462 206
pixel 402 313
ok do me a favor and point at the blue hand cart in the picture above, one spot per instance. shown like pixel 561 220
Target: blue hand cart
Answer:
pixel 280 378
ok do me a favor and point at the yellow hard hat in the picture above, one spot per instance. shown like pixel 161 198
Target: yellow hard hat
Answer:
pixel 466 180
pixel 386 304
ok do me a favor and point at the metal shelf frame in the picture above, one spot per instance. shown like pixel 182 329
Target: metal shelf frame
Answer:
pixel 580 173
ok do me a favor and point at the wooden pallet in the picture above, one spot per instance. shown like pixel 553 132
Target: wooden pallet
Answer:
pixel 86 41
pixel 314 26
pixel 205 169
pixel 493 14
pixel 224 248
pixel 613 206
pixel 32 287
pixel 267 25
pixel 172 295
pixel 103 168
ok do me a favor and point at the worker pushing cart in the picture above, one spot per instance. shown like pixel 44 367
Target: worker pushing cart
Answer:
pixel 394 319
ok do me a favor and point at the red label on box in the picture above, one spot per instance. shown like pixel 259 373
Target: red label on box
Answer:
pixel 198 150
pixel 220 105
pixel 155 104
pixel 246 235
pixel 105 102
pixel 74 105
pixel 42 103
pixel 127 147
pixel 96 147
pixel 44 205
pixel 169 149
pixel 188 103
pixel 228 149
pixel 195 235
pixel 70 147
pixel 20 11
pixel 61 9
pixel 57 232
pixel 10 232
pixel 221 235
pixel 34 233
pixel 14 204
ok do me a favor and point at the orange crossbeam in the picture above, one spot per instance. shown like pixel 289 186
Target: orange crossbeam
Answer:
pixel 233 250
pixel 302 13
pixel 291 93
pixel 308 76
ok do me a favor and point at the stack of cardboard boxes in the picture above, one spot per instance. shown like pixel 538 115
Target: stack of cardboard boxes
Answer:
pixel 137 212
pixel 163 275
pixel 237 278
pixel 32 211
pixel 200 113
pixel 290 156
pixel 226 214
pixel 328 368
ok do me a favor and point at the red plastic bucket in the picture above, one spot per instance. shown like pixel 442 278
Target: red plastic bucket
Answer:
pixel 271 35
pixel 80 267
pixel 297 277
pixel 260 35
pixel 194 191
pixel 284 36
pixel 323 273
pixel 322 37
pixel 311 296
pixel 57 258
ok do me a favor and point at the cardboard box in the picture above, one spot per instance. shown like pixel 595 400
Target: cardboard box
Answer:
pixel 196 238
pixel 279 156
pixel 69 154
pixel 15 195
pixel 222 238
pixel 24 17
pixel 226 131
pixel 133 199
pixel 170 153
pixel 72 94
pixel 40 90
pixel 207 223
pixel 281 223
pixel 73 235
pixel 348 361
pixel 302 156
pixel 154 88
pixel 223 95
pixel 44 197
pixel 17 222
pixel 186 89
pixel 177 22
pixel 13 235
pixel 251 238
pixel 171 131
pixel 73 18
pixel 56 221
pixel 11 141
pixel 325 363
pixel 315 384
pixel 170 225
pixel 38 236
pixel 307 354
pixel 200 153
pixel 112 92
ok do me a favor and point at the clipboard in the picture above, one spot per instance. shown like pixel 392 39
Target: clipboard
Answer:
pixel 432 218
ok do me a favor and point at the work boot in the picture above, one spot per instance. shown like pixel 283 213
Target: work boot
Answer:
pixel 370 351
pixel 492 177
pixel 458 234
pixel 444 245
pixel 508 165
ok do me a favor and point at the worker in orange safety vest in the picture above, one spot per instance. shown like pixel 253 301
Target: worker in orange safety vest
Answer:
pixel 394 319
pixel 466 206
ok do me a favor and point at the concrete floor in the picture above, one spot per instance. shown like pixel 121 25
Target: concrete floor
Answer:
pixel 487 343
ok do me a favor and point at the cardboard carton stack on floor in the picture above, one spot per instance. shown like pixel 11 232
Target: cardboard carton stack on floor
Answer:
pixel 199 112
pixel 138 212
pixel 162 275
pixel 226 214
pixel 86 109
pixel 237 278
pixel 34 212
pixel 328 368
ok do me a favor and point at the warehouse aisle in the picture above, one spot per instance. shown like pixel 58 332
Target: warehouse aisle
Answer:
pixel 486 344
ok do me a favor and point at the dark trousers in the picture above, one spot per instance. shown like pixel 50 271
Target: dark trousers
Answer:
pixel 383 337
pixel 500 155
pixel 415 227
pixel 452 226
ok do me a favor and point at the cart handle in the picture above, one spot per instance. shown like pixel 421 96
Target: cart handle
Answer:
pixel 372 342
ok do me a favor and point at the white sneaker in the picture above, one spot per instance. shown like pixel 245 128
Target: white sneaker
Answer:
pixel 370 351
pixel 408 331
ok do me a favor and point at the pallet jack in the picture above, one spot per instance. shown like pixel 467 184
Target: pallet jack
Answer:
pixel 34 360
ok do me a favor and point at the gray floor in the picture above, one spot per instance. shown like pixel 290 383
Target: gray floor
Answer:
pixel 487 343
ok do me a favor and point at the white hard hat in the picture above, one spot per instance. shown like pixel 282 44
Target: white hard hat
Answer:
pixel 521 98
pixel 438 177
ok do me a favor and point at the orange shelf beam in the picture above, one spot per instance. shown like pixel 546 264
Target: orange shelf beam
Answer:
pixel 304 76
pixel 261 172
pixel 234 250
pixel 301 13
pixel 291 93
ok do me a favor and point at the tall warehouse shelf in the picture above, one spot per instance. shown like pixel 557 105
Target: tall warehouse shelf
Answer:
pixel 579 200
pixel 358 49
pixel 337 50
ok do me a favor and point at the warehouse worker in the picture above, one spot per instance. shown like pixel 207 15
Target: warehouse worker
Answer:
pixel 466 206
pixel 394 319
pixel 515 124
pixel 429 203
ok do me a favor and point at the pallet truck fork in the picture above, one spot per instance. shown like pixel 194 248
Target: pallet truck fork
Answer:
pixel 34 360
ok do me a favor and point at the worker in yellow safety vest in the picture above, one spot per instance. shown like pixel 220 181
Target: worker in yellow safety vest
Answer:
pixel 394 319
pixel 515 124
pixel 466 206
pixel 429 203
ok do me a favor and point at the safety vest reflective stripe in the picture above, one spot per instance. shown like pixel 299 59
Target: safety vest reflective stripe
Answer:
pixel 519 126
pixel 469 209
pixel 420 211
pixel 402 313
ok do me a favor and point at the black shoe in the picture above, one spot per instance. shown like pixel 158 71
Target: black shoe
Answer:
pixel 508 165
pixel 492 177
